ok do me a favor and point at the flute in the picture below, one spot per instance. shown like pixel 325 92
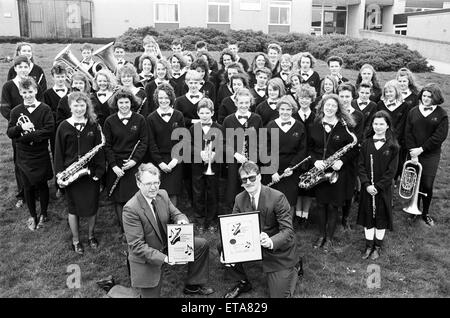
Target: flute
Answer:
pixel 293 168
pixel 116 182
pixel 371 176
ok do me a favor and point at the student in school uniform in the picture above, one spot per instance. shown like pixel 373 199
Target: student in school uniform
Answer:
pixel 75 137
pixel 233 46
pixel 119 55
pixel 189 58
pixel 151 47
pixel 392 102
pixel 228 105
pixel 327 135
pixel 225 90
pixel 292 148
pixel 335 64
pixel 208 88
pixel 426 130
pixel 36 72
pixel 274 53
pixel 408 87
pixel 178 65
pixel 207 145
pixel 104 86
pixel 364 104
pixel 305 65
pixel 260 60
pixel 78 83
pixel 176 46
pixel 286 65
pixel 126 139
pixel 368 73
pixel 87 62
pixel 31 125
pixel 346 92
pixel 268 109
pixel 128 79
pixel 10 98
pixel 163 74
pixel 293 84
pixel 260 89
pixel 160 125
pixel 306 95
pixel 377 167
pixel 212 63
pixel 147 64
pixel 241 148
pixel 328 85
pixel 226 58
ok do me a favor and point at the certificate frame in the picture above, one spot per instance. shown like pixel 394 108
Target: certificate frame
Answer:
pixel 240 237
pixel 180 243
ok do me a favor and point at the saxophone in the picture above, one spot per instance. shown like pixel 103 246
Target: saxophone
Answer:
pixel 78 169
pixel 315 176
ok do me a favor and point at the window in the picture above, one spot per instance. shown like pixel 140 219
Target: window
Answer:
pixel 280 12
pixel 251 5
pixel 219 11
pixel 166 12
pixel 400 29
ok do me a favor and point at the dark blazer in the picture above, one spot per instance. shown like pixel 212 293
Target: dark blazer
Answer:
pixel 146 244
pixel 275 220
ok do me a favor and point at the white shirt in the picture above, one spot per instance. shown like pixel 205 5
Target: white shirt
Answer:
pixel 32 109
pixel 194 100
pixel 309 73
pixel 255 196
pixel 424 112
pixel 122 116
pixel 60 94
pixel 261 92
pixel 304 116
pixel 284 128
pixel 165 118
pixel 103 99
pixel 392 108
pixel 149 201
pixel 242 120
pixel 206 128
pixel 358 101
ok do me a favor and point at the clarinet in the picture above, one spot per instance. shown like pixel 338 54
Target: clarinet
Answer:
pixel 116 182
pixel 142 104
pixel 371 176
pixel 293 168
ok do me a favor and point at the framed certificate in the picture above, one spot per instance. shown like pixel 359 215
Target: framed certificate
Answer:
pixel 240 237
pixel 180 243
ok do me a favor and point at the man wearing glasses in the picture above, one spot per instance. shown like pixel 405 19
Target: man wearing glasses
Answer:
pixel 277 235
pixel 145 217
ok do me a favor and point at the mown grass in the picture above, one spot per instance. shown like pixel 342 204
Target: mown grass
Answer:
pixel 415 261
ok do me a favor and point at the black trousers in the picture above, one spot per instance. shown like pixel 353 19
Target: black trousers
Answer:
pixel 205 192
pixel 20 194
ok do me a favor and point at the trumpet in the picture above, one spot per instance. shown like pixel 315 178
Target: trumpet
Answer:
pixel 409 186
pixel 208 150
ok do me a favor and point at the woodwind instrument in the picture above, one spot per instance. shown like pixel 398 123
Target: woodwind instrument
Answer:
pixel 208 150
pixel 293 168
pixel 142 104
pixel 373 184
pixel 245 144
pixel 116 182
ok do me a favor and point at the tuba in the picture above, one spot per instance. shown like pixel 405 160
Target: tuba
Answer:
pixel 108 61
pixel 409 186
pixel 78 168
pixel 72 64
pixel 315 176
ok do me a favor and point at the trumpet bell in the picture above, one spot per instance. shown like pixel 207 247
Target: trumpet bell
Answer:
pixel 208 171
pixel 411 209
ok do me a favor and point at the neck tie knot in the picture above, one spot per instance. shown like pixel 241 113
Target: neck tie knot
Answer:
pixel 166 114
pixel 379 139
pixel 286 123
pixel 242 117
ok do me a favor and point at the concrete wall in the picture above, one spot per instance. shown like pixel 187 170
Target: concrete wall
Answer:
pixel 431 49
pixel 301 16
pixel 9 18
pixel 387 19
pixel 193 13
pixel 355 18
pixel 430 26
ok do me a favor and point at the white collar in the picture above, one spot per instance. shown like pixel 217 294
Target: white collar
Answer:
pixel 239 114
pixel 310 72
pixel 307 113
pixel 122 116
pixel 285 128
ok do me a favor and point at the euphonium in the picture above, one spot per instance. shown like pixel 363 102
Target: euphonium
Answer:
pixel 78 169
pixel 409 186
pixel 108 61
pixel 208 150
pixel 315 176
pixel 72 63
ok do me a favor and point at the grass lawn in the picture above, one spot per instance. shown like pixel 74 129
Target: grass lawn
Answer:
pixel 415 261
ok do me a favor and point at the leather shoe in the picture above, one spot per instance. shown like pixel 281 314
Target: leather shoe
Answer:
pixel 319 242
pixel 367 253
pixel 93 243
pixel 239 288
pixel 328 246
pixel 197 289
pixel 78 248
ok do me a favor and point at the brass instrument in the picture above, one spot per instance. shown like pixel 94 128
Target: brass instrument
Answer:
pixel 72 64
pixel 293 168
pixel 108 61
pixel 116 182
pixel 208 150
pixel 315 176
pixel 24 119
pixel 373 184
pixel 409 186
pixel 78 169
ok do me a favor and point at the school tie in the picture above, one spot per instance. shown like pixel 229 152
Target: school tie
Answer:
pixel 379 139
pixel 206 124
pixel 125 120
pixel 194 96
pixel 165 114
pixel 363 103
pixel 242 117
pixel 272 103
pixel 260 89
pixel 286 123
pixel 101 94
pixel 158 221
pixel 253 203
pixel 30 106
pixel 79 126
pixel 60 90
pixel 428 108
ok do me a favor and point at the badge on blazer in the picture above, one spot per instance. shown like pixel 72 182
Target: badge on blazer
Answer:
pixel 295 135
pixel 434 119
pixel 336 137
pixel 175 125
pixel 133 128
pixel 90 134
pixel 387 152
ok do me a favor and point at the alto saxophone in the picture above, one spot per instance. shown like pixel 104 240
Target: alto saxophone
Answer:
pixel 78 169
pixel 315 176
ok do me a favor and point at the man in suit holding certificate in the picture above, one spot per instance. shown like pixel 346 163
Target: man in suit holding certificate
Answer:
pixel 277 237
pixel 145 219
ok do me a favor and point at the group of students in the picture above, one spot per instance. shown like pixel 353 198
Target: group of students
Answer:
pixel 136 107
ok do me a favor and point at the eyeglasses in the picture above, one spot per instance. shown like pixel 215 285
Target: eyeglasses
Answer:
pixel 151 184
pixel 250 178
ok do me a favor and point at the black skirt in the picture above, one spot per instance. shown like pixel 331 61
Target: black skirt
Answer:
pixel 35 167
pixel 82 196
pixel 430 164
pixel 289 187
pixel 172 182
pixel 126 187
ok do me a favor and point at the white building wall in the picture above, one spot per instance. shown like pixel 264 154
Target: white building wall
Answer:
pixel 355 18
pixel 193 13
pixel 9 18
pixel 430 26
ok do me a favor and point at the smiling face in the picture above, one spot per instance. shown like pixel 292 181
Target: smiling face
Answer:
pixel 147 66
pixel 86 54
pixel 127 80
pixel 119 53
pixel 285 65
pixel 334 67
pixel 194 85
pixel 364 94
pixel 161 71
pixel 227 60
pixel 261 79
pixel 59 79
pixel 403 83
pixel 346 98
pixel 233 48
pixel 177 48
pixel 273 92
pixel 237 84
pixel 295 82
pixel 243 104
pixel 78 109
pixel 379 126
pixel 427 99
pixel 28 94
pixel 389 92
pixel 273 55
pixel 26 51
pixel 330 108
pixel 78 85
pixel 230 72
pixel 305 64
pixel 366 74
pixel 250 186
pixel 148 184
pixel 22 69
pixel 175 63
pixel 285 112
pixel 205 114
pixel 304 101
pixel 328 86
pixel 102 82
pixel 124 106
pixel 163 101
pixel 260 61
pixel 201 71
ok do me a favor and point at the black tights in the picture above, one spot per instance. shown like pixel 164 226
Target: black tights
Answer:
pixel 426 186
pixel 118 207
pixel 30 198
pixel 328 215
pixel 346 209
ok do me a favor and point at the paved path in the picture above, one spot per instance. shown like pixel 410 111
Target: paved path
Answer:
pixel 440 67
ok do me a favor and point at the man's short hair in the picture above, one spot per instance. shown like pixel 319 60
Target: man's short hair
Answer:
pixel 147 167
pixel 249 167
